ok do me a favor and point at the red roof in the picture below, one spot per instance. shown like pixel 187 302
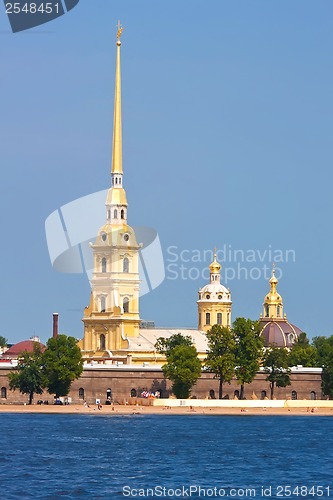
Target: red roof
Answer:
pixel 25 345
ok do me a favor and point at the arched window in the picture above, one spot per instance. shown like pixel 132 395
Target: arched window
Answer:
pixel 108 214
pixel 236 394
pixel 278 311
pixel 116 180
pixel 219 318
pixel 199 320
pixel 3 393
pixel 81 393
pixel 102 342
pixel 119 180
pixel 126 305
pixel 125 265
pixel 212 394
pixel 108 394
pixel 313 395
pixel 263 395
pixel 207 318
pixel 266 311
pixel 294 395
pixel 115 214
pixel 103 304
pixel 104 265
pixel 228 319
pixel 122 214
pixel 133 393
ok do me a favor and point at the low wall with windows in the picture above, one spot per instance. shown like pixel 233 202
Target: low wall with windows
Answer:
pixel 128 382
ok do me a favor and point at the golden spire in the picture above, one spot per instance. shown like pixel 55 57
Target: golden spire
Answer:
pixel 117 146
pixel 273 281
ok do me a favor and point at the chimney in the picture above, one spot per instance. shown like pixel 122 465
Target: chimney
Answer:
pixel 55 325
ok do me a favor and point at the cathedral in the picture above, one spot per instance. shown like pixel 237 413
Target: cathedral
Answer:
pixel 113 331
pixel 120 359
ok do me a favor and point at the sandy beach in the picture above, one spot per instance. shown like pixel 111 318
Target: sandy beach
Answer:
pixel 151 410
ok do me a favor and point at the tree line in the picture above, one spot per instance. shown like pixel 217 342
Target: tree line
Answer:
pixel 239 352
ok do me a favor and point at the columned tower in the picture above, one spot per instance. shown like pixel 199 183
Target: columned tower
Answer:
pixel 113 313
pixel 214 304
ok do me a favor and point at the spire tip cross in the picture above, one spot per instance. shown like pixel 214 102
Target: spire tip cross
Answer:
pixel 120 30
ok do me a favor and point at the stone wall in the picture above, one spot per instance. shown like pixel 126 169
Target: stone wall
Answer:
pixel 96 382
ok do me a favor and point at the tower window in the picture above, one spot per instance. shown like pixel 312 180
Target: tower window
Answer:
pixel 108 214
pixel 207 318
pixel 102 341
pixel 219 318
pixel 115 214
pixel 81 393
pixel 278 311
pixel 104 265
pixel 220 297
pixel 266 311
pixel 103 304
pixel 228 319
pixel 125 265
pixel 116 180
pixel 199 320
pixel 126 305
pixel 207 297
pixel 122 214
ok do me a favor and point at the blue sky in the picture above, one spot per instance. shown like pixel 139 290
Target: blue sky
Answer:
pixel 227 128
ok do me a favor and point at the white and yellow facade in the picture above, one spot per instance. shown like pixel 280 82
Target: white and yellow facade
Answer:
pixel 112 316
pixel 214 304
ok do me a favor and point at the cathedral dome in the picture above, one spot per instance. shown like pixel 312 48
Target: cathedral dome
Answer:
pixel 279 332
pixel 214 292
pixel 276 329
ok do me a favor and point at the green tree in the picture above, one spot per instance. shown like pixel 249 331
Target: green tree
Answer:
pixel 276 364
pixel 302 352
pixel 182 366
pixel 164 346
pixel 28 375
pixel 63 364
pixel 3 341
pixel 324 349
pixel 221 358
pixel 249 350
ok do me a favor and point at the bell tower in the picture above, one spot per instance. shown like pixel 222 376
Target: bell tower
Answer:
pixel 113 313
pixel 214 304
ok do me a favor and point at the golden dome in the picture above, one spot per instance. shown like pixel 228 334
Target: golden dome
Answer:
pixel 273 280
pixel 215 267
